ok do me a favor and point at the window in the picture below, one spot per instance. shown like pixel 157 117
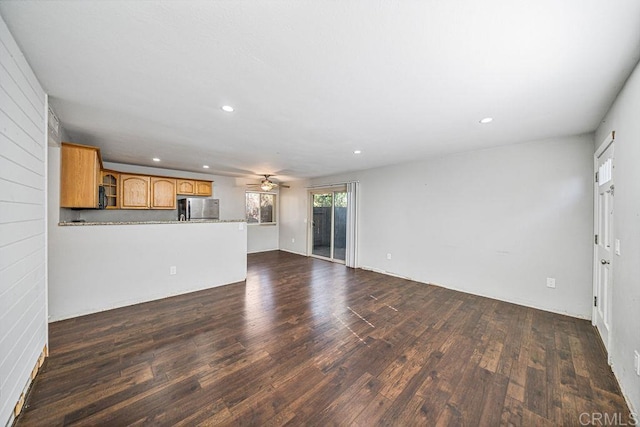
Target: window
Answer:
pixel 260 208
pixel 605 172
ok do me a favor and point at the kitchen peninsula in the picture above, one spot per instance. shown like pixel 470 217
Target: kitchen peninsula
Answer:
pixel 100 259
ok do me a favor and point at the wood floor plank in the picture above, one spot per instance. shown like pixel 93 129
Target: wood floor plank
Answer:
pixel 373 412
pixel 308 342
pixel 536 392
pixel 210 413
pixel 340 410
pixel 511 412
pixel 493 400
pixel 346 413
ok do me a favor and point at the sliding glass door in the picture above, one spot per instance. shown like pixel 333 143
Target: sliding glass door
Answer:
pixel 329 224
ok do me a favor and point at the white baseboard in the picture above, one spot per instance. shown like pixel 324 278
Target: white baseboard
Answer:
pixel 262 250
pixel 511 301
pixel 293 252
pixel 386 273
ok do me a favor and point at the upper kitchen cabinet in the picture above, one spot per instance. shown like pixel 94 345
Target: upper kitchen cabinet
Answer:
pixel 194 187
pixel 110 183
pixel 82 180
pixel 186 186
pixel 203 188
pixel 79 176
pixel 135 191
pixel 163 193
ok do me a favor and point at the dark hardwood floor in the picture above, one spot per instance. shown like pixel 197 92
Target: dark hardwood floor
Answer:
pixel 308 342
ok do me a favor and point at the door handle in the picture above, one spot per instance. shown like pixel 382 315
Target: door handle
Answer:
pixel 604 262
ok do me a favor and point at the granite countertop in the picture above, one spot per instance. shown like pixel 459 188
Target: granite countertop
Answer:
pixel 200 221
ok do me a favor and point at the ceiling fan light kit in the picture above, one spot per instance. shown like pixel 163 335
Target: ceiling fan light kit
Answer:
pixel 267 185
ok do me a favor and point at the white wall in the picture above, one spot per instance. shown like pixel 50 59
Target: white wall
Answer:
pixel 624 119
pixel 96 268
pixel 494 222
pixel 262 238
pixel 23 279
pixel 293 218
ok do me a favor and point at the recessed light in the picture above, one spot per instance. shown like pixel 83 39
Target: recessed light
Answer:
pixel 486 120
pixel 205 166
pixel 357 151
pixel 227 108
pixel 155 159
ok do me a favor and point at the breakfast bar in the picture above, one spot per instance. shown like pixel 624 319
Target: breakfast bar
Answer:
pixel 97 266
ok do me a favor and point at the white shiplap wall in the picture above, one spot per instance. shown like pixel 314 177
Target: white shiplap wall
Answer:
pixel 23 255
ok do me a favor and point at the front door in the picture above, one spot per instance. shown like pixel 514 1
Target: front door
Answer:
pixel 604 249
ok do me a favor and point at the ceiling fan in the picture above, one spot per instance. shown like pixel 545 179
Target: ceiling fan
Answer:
pixel 267 185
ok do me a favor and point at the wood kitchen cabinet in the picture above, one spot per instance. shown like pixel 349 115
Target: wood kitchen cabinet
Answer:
pixel 135 191
pixel 186 186
pixel 82 175
pixel 147 192
pixel 80 168
pixel 163 193
pixel 110 183
pixel 194 187
pixel 203 188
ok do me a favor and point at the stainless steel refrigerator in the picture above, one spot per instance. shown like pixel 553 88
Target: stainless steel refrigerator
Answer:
pixel 194 208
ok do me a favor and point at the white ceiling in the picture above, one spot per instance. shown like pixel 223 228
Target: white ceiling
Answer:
pixel 311 81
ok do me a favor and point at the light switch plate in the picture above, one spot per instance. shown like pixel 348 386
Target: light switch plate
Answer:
pixel 241 226
pixel 617 246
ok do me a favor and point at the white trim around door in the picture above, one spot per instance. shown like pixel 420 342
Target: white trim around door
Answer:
pixel 604 239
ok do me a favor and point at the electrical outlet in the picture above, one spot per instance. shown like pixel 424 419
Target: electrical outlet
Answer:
pixel 293 240
pixel 636 362
pixel 172 270
pixel 241 226
pixel 388 256
pixel 551 282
